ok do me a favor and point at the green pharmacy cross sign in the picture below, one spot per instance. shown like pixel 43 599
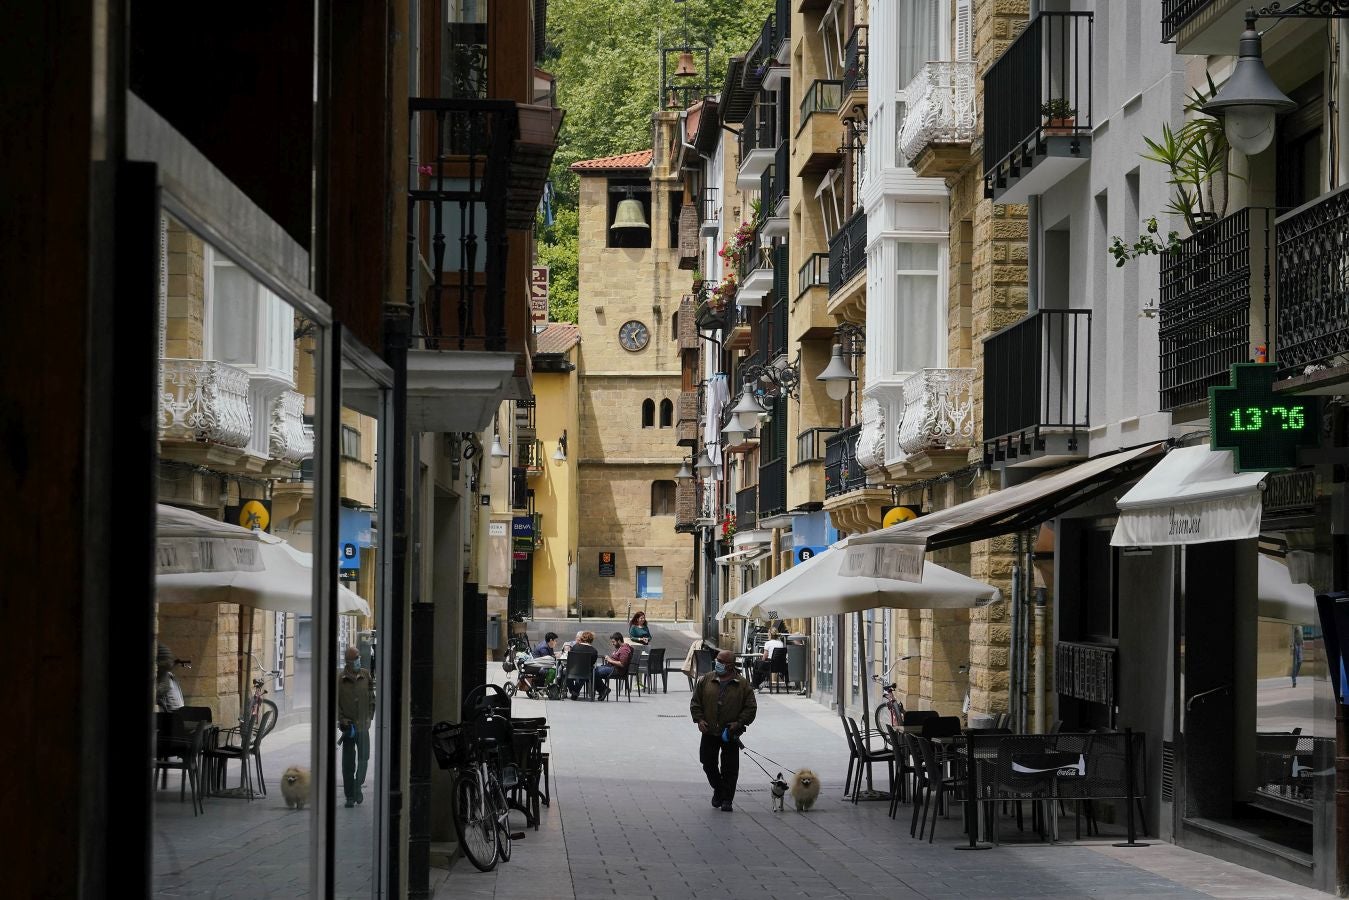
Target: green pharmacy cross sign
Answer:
pixel 1262 428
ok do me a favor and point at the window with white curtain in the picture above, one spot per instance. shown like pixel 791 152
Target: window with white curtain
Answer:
pixel 920 338
pixel 922 37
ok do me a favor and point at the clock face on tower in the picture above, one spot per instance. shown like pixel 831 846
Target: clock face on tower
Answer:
pixel 633 335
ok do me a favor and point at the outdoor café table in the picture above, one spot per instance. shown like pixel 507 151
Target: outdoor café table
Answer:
pixel 747 661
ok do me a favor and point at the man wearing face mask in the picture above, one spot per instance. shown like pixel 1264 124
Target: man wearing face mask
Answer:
pixel 722 707
pixel 355 709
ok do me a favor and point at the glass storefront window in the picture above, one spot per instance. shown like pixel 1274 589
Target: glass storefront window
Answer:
pixel 235 588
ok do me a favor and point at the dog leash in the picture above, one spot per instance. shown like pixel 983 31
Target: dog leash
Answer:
pixel 753 753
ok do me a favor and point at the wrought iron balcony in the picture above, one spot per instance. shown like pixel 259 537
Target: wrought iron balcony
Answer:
pixel 842 471
pixel 1204 311
pixel 1038 107
pixel 289 438
pixel 530 456
pixel 774 185
pixel 940 108
pixel 1312 329
pixel 848 251
pixel 938 411
pixel 855 61
pixel 525 410
pixel 782 28
pixel 759 56
pixel 204 401
pixel 1037 379
pixel 757 143
pixel 810 444
pixel 773 486
pixel 1176 13
pixel 747 508
pixel 459 206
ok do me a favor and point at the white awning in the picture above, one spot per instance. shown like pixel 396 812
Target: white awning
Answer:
pixel 816 588
pixel 898 552
pixel 1191 497
pixel 742 557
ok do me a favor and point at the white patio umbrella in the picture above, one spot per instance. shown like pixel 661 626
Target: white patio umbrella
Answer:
pixel 271 573
pixel 816 588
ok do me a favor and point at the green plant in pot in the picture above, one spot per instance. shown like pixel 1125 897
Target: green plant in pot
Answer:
pixel 1060 116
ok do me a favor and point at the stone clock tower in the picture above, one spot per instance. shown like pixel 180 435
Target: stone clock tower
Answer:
pixel 630 288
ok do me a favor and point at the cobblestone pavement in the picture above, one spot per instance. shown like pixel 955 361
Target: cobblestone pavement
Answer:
pixel 631 817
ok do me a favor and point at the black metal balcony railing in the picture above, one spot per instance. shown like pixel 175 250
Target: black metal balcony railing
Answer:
pixel 777 329
pixel 1037 375
pixel 773 487
pixel 782 24
pixel 758 130
pixel 1039 87
pixel 708 210
pixel 855 61
pixel 746 508
pixel 842 471
pixel 773 183
pixel 1175 13
pixel 848 251
pixel 461 150
pixel 1205 307
pixel 815 272
pixel 753 258
pixel 1085 672
pixel 822 96
pixel 1312 327
pixel 810 444
pixel 525 414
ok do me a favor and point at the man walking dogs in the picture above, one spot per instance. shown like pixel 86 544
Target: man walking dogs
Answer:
pixel 722 707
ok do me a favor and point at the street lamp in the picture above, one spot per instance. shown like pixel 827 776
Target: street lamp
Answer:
pixel 733 431
pixel 498 452
pixel 560 454
pixel 1249 101
pixel 838 376
pixel 684 473
pixel 704 464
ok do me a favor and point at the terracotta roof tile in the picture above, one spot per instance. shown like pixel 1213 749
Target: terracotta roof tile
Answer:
pixel 640 159
pixel 558 337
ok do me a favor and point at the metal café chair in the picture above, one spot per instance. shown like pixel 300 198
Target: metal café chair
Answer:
pixel 581 667
pixel 653 667
pixel 777 666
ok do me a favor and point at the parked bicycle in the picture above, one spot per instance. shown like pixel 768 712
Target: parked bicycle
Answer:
pixel 889 711
pixel 479 752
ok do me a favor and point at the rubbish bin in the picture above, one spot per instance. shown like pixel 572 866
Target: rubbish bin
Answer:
pixel 493 632
pixel 796 662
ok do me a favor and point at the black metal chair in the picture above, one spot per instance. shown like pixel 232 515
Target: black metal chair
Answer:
pixel 653 667
pixel 703 658
pixel 865 756
pixel 941 726
pixel 913 717
pixel 624 677
pixel 777 665
pixel 581 667
pixel 944 774
pixel 183 734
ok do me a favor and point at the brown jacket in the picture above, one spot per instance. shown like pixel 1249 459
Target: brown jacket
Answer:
pixel 355 696
pixel 737 704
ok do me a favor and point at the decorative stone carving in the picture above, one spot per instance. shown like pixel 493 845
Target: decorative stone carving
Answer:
pixel 290 439
pixel 871 442
pixel 205 401
pixel 938 410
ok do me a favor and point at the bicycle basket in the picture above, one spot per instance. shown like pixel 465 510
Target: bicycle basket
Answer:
pixel 449 742
pixel 507 665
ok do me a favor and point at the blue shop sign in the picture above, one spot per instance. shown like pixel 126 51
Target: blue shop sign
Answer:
pixel 354 532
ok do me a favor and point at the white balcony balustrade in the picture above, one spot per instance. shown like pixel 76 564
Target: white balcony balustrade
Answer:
pixel 204 401
pixel 940 108
pixel 290 439
pixel 938 411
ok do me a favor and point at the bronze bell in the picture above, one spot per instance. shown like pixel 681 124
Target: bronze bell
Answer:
pixel 686 68
pixel 629 214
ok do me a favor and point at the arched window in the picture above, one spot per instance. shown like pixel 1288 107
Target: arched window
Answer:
pixel 666 413
pixel 648 413
pixel 662 498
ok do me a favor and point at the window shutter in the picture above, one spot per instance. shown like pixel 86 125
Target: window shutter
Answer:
pixel 964 38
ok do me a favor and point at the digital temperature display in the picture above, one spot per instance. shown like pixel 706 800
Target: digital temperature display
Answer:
pixel 1262 428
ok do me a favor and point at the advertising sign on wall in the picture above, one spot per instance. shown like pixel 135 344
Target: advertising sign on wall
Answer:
pixel 538 294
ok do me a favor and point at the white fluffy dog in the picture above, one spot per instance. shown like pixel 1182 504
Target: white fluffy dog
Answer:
pixel 805 789
pixel 295 787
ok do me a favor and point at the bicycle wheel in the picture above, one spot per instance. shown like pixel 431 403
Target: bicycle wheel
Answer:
pixel 884 715
pixel 475 823
pixel 501 815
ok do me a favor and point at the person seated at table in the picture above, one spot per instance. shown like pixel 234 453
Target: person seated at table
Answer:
pixel 615 663
pixel 584 645
pixel 761 665
pixel 168 693
pixel 548 646
pixel 544 658
pixel 638 629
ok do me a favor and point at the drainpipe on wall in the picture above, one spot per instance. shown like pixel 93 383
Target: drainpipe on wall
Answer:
pixel 1041 689
pixel 1014 657
pixel 1032 254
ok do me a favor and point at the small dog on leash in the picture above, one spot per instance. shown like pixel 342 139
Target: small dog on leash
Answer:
pixel 805 789
pixel 295 787
pixel 779 789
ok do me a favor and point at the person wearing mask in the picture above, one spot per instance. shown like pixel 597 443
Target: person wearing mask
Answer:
pixel 355 709
pixel 761 665
pixel 638 630
pixel 723 706
pixel 168 693
pixel 616 663
pixel 584 645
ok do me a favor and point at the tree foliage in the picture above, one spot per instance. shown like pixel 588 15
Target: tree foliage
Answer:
pixel 606 57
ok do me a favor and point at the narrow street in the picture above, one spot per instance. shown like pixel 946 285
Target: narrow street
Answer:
pixel 631 818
